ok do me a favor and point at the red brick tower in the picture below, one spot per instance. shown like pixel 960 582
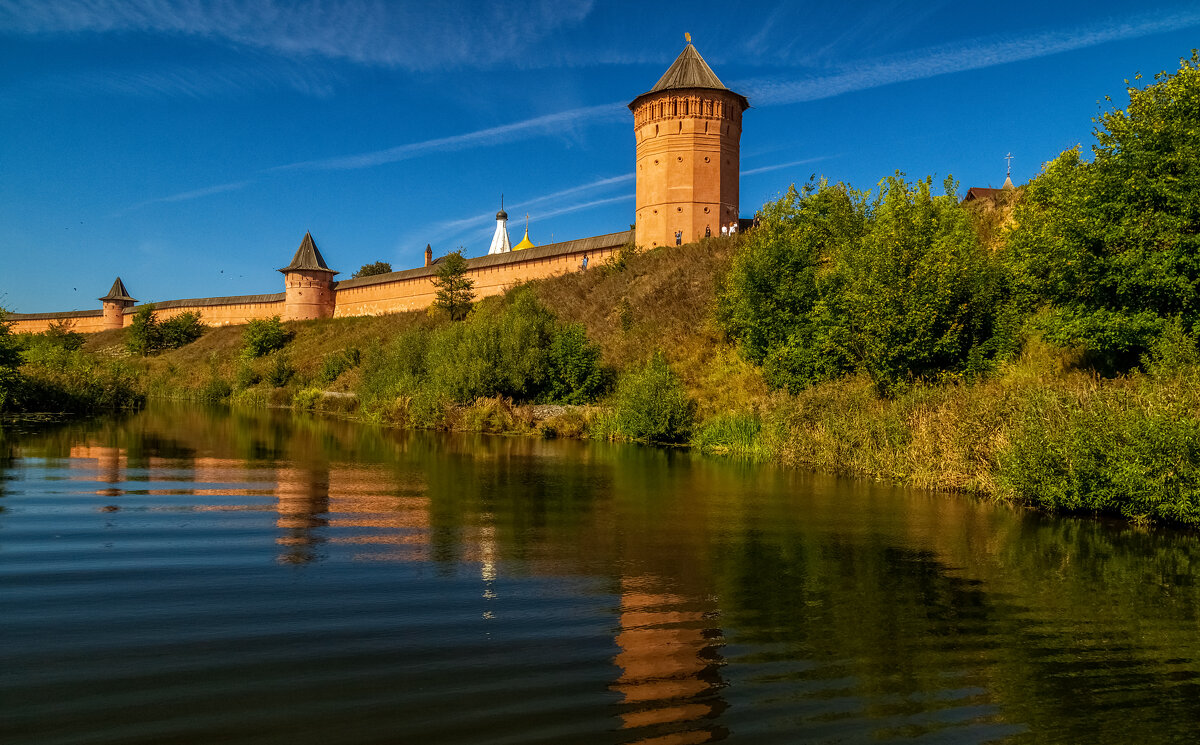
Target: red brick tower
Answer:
pixel 688 129
pixel 114 304
pixel 309 284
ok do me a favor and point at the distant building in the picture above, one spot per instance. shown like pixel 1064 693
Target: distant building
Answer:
pixel 500 242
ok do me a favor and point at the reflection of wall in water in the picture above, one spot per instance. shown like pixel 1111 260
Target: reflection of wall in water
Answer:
pixel 109 467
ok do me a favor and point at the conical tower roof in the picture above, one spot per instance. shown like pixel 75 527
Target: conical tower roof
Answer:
pixel 308 258
pixel 118 292
pixel 689 70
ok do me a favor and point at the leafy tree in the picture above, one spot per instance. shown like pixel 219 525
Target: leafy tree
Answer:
pixel 772 301
pixel 144 335
pixel 652 405
pixel 181 330
pixel 896 286
pixel 61 333
pixel 147 334
pixel 263 336
pixel 576 375
pixel 919 297
pixel 10 358
pixel 455 291
pixel 1114 245
pixel 370 270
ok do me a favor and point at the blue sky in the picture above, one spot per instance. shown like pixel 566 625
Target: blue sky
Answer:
pixel 187 145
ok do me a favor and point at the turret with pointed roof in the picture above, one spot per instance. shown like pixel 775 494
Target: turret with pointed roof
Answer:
pixel 308 283
pixel 114 304
pixel 308 258
pixel 118 292
pixel 688 129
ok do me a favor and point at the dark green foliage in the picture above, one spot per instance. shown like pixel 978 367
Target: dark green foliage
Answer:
pixel 1114 245
pixel 181 330
pixel 575 375
pixel 370 270
pixel 1117 453
pixel 215 390
pixel 280 371
pixel 919 298
pixel 336 363
pixel 144 335
pixel 263 336
pixel 455 291
pixel 510 348
pixel 147 334
pixel 652 405
pixel 896 286
pixel 56 379
pixel 10 357
pixel 61 334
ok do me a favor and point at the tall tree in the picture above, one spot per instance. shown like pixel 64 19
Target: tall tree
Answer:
pixel 370 270
pixel 1114 245
pixel 455 290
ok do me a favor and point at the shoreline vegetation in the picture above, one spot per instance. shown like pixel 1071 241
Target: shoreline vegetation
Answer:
pixel 1037 347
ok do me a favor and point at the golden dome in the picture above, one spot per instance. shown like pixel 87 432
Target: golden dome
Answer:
pixel 525 242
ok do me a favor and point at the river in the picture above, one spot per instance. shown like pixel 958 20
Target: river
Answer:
pixel 192 575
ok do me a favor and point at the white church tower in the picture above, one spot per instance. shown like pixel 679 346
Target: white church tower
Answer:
pixel 500 242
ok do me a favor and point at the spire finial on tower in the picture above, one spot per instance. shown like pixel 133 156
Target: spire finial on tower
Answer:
pixel 1009 158
pixel 687 37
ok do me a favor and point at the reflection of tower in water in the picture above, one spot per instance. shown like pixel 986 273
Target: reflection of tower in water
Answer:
pixel 670 666
pixel 302 504
pixel 110 467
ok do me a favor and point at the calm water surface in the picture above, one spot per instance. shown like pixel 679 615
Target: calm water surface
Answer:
pixel 194 576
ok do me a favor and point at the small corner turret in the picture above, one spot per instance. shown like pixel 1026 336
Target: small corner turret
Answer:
pixel 114 305
pixel 308 283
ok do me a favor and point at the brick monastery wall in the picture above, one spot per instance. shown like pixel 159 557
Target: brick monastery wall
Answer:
pixel 411 289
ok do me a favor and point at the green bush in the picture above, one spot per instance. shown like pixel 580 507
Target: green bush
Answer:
pixel 181 330
pixel 651 404
pixel 215 390
pixel 575 374
pixel 280 371
pixel 307 399
pixel 10 358
pixel 896 286
pixel 1120 452
pixel 1112 244
pixel 144 335
pixel 263 336
pixel 147 334
pixel 732 432
pixel 61 333
pixel 57 379
pixel 245 375
pixel 510 348
pixel 336 363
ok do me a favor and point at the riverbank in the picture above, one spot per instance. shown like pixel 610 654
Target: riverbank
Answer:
pixel 1041 430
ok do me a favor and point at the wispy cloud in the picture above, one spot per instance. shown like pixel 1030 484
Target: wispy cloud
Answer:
pixel 943 60
pixel 489 136
pixel 187 196
pixel 197 82
pixel 781 166
pixel 484 223
pixel 419 35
